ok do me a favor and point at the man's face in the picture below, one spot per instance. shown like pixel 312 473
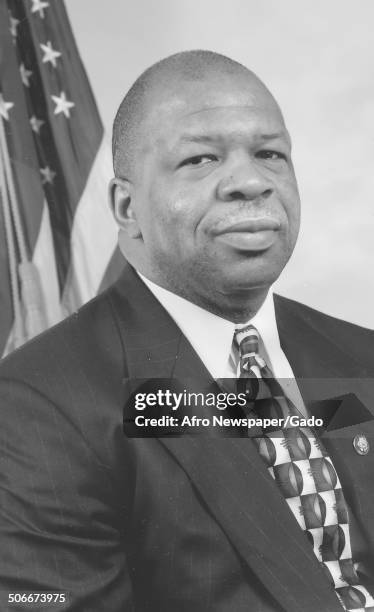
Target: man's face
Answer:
pixel 215 193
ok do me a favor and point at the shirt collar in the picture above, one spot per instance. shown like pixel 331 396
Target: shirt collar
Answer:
pixel 211 336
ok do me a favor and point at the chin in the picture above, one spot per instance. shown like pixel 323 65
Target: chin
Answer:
pixel 248 277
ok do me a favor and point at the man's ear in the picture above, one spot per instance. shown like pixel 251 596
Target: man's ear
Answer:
pixel 121 203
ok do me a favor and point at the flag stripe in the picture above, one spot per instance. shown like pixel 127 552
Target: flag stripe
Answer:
pixel 90 258
pixel 38 105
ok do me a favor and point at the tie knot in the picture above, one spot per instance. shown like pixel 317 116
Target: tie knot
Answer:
pixel 247 339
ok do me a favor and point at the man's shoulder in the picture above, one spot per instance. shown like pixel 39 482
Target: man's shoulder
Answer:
pixel 313 317
pixel 324 330
pixel 94 334
pixel 82 337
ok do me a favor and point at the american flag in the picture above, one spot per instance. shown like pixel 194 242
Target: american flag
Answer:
pixel 56 232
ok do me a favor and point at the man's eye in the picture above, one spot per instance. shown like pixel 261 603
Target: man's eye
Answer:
pixel 198 160
pixel 270 154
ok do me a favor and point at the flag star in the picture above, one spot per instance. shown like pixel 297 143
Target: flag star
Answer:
pixel 38 6
pixel 62 104
pixel 50 55
pixel 36 124
pixel 4 107
pixel 25 75
pixel 13 25
pixel 47 175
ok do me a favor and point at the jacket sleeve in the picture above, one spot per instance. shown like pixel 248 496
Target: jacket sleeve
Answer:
pixel 61 529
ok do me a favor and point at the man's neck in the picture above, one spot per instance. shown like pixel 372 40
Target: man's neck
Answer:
pixel 238 307
pixel 235 306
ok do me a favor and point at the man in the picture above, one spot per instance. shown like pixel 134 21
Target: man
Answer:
pixel 207 204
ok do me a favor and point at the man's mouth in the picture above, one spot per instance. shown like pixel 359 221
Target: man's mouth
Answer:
pixel 255 234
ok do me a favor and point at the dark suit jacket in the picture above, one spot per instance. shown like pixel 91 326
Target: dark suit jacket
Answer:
pixel 166 524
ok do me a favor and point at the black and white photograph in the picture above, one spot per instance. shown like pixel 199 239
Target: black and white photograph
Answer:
pixel 186 306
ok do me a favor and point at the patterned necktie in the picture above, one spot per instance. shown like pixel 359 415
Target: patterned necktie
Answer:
pixel 305 475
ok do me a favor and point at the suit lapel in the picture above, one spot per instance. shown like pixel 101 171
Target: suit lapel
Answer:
pixel 153 344
pixel 228 475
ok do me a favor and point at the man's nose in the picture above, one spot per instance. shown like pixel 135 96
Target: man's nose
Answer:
pixel 244 181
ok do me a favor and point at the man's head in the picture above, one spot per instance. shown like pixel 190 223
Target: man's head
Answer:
pixel 205 194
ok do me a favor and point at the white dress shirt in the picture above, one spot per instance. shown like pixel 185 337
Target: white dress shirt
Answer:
pixel 212 337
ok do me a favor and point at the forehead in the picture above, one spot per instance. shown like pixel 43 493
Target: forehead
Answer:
pixel 216 109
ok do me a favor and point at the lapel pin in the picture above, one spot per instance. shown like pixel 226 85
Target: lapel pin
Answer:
pixel 361 444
